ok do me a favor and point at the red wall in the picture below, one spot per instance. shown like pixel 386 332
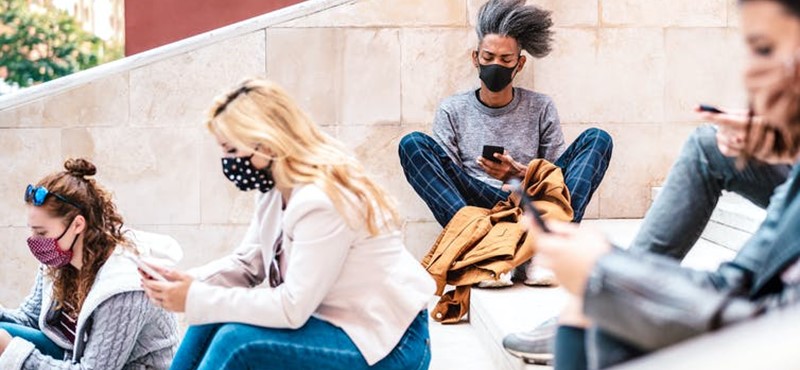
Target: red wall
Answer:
pixel 152 23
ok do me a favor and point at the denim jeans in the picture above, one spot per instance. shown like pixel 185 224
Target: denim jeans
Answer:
pixel 682 210
pixel 446 188
pixel 316 345
pixel 35 336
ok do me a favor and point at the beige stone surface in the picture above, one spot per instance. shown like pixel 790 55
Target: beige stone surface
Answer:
pixel 26 115
pixel 178 91
pixel 304 72
pixel 361 87
pixel 436 63
pixel 703 72
pixel 28 155
pixel 391 13
pixel 18 267
pixel 104 102
pixel 625 192
pixel 734 14
pixel 610 75
pixel 153 172
pixel 566 13
pixel 420 236
pixel 371 77
pixel 658 13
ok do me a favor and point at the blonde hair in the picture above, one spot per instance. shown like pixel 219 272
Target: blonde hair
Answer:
pixel 259 112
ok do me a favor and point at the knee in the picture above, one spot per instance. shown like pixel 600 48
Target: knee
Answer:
pixel 599 139
pixel 413 142
pixel 703 141
pixel 226 336
pixel 414 139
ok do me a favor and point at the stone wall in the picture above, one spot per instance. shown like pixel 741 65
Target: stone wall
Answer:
pixel 370 71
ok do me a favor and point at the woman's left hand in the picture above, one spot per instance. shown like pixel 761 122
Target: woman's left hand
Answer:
pixel 169 295
pixel 571 252
pixel 5 339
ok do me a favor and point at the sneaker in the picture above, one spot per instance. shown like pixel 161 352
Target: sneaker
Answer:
pixel 502 282
pixel 535 346
pixel 539 276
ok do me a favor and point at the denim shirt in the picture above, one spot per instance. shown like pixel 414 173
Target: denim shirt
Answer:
pixel 776 243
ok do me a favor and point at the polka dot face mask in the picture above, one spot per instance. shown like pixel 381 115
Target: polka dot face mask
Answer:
pixel 246 177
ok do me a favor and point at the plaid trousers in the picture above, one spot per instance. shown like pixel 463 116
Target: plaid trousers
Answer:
pixel 446 188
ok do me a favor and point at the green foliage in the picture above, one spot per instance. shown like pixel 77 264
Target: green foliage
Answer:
pixel 38 46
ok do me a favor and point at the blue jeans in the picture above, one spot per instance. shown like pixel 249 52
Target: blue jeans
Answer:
pixel 446 188
pixel 316 345
pixel 35 336
pixel 681 212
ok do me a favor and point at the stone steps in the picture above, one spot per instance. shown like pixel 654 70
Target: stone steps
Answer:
pixel 496 313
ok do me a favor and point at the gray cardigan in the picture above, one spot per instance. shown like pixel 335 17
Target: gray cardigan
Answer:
pixel 117 327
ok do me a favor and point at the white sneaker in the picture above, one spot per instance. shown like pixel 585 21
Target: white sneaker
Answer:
pixel 539 276
pixel 502 282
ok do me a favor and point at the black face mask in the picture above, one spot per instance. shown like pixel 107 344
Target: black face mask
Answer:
pixel 246 177
pixel 496 77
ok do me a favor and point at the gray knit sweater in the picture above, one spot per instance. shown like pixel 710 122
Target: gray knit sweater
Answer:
pixel 527 128
pixel 117 329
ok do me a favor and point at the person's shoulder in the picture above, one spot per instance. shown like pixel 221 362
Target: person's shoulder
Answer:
pixel 455 102
pixel 305 199
pixel 534 98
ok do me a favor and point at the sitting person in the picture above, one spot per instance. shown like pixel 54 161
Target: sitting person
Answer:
pixel 87 309
pixel 448 170
pixel 343 292
pixel 637 302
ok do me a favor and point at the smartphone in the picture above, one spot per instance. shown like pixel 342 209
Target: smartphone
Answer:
pixel 710 109
pixel 145 267
pixel 490 150
pixel 527 205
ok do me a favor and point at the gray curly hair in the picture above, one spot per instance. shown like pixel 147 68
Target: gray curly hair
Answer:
pixel 529 25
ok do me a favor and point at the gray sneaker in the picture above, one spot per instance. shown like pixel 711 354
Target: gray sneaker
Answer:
pixel 535 346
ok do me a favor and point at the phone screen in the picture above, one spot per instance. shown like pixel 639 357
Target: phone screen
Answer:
pixel 490 150
pixel 144 267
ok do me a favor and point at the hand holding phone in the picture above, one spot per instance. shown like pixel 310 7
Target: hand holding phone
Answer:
pixel 151 272
pixel 490 150
pixel 527 205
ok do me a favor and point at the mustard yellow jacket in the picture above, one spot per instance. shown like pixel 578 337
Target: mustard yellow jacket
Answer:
pixel 480 244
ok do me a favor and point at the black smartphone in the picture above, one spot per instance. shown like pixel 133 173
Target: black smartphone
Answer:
pixel 527 205
pixel 489 150
pixel 710 109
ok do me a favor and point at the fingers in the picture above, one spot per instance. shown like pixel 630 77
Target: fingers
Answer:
pixel 562 228
pixel 505 157
pixel 155 285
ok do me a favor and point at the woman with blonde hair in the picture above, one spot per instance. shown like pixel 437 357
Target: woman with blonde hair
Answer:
pixel 342 293
pixel 87 309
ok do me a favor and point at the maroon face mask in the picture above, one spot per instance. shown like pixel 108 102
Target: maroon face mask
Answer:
pixel 46 250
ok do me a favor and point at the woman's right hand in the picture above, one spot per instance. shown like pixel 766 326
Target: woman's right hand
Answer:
pixel 732 136
pixel 731 130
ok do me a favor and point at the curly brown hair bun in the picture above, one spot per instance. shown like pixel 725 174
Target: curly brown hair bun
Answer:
pixel 102 235
pixel 80 167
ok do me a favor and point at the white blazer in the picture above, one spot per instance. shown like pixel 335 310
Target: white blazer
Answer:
pixel 371 287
